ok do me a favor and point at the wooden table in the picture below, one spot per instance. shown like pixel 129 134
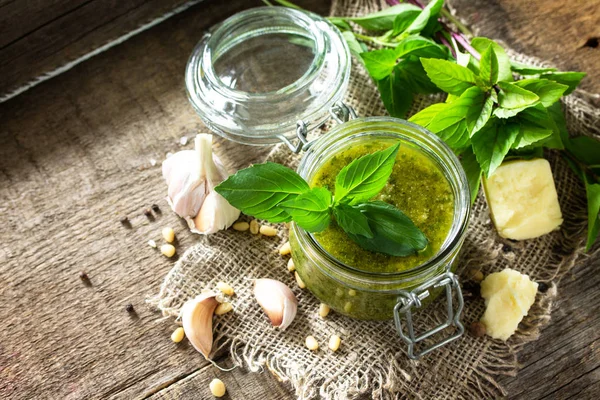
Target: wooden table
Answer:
pixel 75 157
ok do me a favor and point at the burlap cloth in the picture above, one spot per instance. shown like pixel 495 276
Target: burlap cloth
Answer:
pixel 372 358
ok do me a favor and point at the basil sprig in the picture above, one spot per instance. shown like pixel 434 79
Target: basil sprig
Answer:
pixel 276 193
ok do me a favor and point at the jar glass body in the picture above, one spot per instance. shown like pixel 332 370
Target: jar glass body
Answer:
pixel 365 295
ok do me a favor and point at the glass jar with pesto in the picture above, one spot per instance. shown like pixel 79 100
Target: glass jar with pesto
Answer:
pixel 272 74
pixel 427 184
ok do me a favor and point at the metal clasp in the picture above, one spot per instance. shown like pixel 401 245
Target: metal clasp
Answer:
pixel 408 300
pixel 340 112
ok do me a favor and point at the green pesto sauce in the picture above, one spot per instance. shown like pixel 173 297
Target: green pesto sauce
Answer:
pixel 416 186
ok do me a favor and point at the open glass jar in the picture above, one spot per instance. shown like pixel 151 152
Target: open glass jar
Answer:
pixel 270 75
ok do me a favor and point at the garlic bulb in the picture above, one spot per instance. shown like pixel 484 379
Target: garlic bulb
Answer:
pixel 196 316
pixel 191 177
pixel 277 301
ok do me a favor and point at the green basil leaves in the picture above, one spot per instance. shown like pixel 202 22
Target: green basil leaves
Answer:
pixel 276 193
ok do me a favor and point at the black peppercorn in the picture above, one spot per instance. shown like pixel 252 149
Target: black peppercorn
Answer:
pixel 83 276
pixel 506 248
pixel 542 287
pixel 129 308
pixel 148 213
pixel 155 208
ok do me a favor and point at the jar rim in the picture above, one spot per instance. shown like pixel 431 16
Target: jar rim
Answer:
pixel 301 19
pixel 270 116
pixel 462 205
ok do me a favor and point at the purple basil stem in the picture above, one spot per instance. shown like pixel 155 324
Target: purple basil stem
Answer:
pixel 459 37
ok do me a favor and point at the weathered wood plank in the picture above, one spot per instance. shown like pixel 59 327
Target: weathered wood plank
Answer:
pixel 38 38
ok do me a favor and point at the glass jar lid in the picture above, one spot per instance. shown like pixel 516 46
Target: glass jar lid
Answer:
pixel 263 72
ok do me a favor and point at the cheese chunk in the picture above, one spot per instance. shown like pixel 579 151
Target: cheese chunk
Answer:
pixel 523 200
pixel 508 296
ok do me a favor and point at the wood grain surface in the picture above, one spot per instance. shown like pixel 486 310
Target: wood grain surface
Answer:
pixel 37 37
pixel 75 157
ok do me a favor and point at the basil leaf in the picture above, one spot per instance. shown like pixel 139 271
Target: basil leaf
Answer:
pixel 585 149
pixel 571 79
pixel 341 23
pixel 395 95
pixel 258 190
pixel 526 70
pixel 397 90
pixel 448 76
pixel 548 91
pixel 430 11
pixel 488 66
pixel 478 118
pixel 538 115
pixel 492 143
pixel 379 63
pixel 504 71
pixel 354 45
pixel 592 191
pixel 529 135
pixel 393 232
pixel 364 177
pixel 310 210
pixel 451 123
pixel 473 172
pixel 425 116
pixel 505 113
pixel 351 220
pixel 512 96
pixel 383 20
pixel 411 72
pixel 557 123
pixel 420 47
pixel 403 21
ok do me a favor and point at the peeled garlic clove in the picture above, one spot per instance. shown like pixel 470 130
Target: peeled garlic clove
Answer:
pixel 196 316
pixel 216 214
pixel 277 301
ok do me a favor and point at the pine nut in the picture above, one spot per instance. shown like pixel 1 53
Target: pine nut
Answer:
pixel 254 227
pixel 334 342
pixel 152 243
pixel 223 308
pixel 268 230
pixel 324 310
pixel 217 388
pixel 291 266
pixel 312 343
pixel 285 249
pixel 225 288
pixel 168 234
pixel 299 280
pixel 177 335
pixel 241 226
pixel 167 250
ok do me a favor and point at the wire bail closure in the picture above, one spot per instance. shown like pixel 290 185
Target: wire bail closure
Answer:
pixel 409 300
pixel 340 112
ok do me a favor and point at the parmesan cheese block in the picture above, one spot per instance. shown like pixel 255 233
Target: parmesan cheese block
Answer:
pixel 522 199
pixel 508 296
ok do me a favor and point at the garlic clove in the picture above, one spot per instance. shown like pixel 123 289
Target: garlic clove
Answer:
pixel 191 178
pixel 196 316
pixel 185 193
pixel 277 301
pixel 216 214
